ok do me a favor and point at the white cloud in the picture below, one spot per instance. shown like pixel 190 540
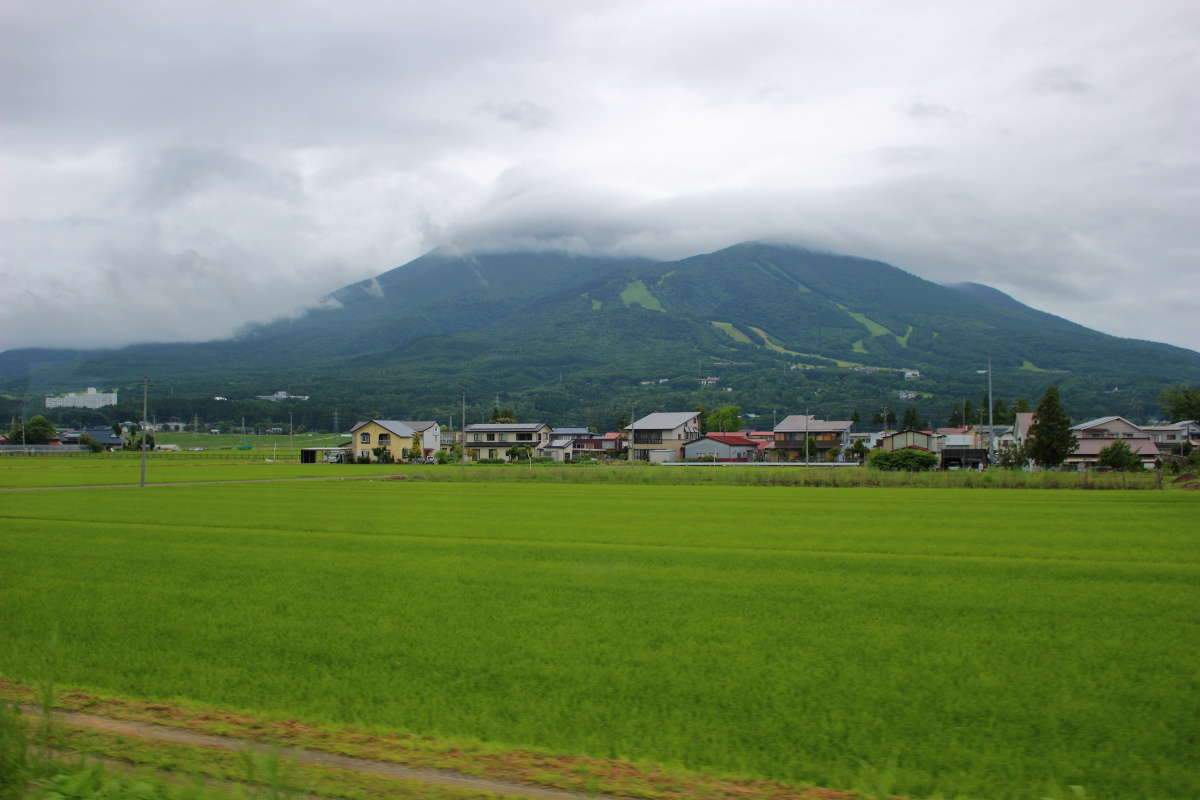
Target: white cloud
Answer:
pixel 174 171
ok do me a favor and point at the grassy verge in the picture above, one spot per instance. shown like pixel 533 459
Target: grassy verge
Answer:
pixel 101 469
pixel 580 774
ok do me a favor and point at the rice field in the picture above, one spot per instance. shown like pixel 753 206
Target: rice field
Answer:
pixel 967 644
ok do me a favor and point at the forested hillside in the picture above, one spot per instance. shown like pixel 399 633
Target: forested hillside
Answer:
pixel 589 340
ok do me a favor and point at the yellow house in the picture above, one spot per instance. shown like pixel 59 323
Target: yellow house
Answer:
pixel 392 435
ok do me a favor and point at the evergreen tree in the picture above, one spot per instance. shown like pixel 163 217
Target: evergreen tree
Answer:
pixel 1020 406
pixel 912 421
pixel 855 418
pixel 1050 436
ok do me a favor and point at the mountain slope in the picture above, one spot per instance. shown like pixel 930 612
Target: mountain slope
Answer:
pixel 574 337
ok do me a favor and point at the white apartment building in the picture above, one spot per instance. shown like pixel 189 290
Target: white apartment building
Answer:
pixel 88 399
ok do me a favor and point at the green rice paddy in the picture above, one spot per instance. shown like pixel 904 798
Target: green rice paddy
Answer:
pixel 965 643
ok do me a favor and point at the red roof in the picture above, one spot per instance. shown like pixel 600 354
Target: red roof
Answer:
pixel 732 439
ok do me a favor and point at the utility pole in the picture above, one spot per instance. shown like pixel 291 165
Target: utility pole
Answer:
pixel 145 405
pixel 462 437
pixel 991 408
pixel 336 426
pixel 806 436
pixel 291 438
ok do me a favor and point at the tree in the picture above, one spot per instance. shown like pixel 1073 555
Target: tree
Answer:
pixel 91 444
pixel 858 449
pixel 724 419
pixel 1119 456
pixel 703 412
pixel 518 453
pixel 35 430
pixel 855 418
pixel 962 415
pixel 1020 406
pixel 503 415
pixel 383 455
pixel 912 420
pixel 416 452
pixel 1011 456
pixel 907 459
pixel 1180 402
pixel 1050 439
pixel 116 429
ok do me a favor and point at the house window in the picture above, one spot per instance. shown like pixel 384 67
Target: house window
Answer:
pixel 491 453
pixel 647 437
pixel 364 438
pixel 524 437
pixel 476 437
pixel 491 437
pixel 364 453
pixel 385 440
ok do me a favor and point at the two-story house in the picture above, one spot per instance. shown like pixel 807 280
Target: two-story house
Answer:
pixel 661 436
pixel 795 429
pixel 1096 434
pixel 430 433
pixel 494 439
pixel 391 435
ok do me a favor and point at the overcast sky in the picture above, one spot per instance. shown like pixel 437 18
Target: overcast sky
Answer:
pixel 171 171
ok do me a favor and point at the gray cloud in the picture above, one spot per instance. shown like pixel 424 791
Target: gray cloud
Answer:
pixel 173 172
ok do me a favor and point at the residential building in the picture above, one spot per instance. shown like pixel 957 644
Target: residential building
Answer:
pixel 721 447
pixel 1108 428
pixel 1087 452
pixel 88 399
pixel 393 436
pixel 1177 433
pixel 493 440
pixel 921 440
pixel 661 436
pixel 431 434
pixel 792 433
pixel 276 397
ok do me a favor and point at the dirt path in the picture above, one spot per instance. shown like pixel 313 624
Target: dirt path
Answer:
pixel 383 769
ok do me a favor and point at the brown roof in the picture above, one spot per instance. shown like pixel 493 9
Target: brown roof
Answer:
pixel 1091 447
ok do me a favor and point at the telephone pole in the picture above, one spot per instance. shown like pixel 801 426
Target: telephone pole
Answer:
pixel 991 408
pixel 145 401
pixel 462 436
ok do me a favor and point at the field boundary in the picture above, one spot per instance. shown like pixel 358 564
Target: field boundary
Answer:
pixel 450 763
pixel 382 769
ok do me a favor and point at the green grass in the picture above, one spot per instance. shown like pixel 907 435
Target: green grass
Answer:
pixel 261 443
pixel 736 334
pixel 770 343
pixel 22 472
pixel 982 644
pixel 636 293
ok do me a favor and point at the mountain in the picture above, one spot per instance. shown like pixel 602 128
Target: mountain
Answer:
pixel 588 339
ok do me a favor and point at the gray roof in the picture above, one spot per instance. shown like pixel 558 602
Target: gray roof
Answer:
pixel 1091 423
pixel 394 425
pixel 559 443
pixel 663 420
pixel 420 425
pixel 798 423
pixel 499 427
pixel 573 432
